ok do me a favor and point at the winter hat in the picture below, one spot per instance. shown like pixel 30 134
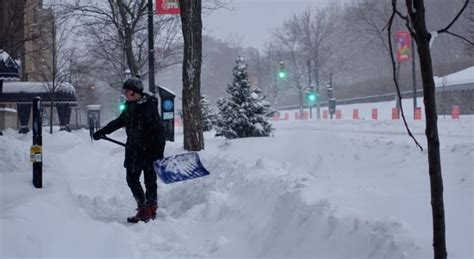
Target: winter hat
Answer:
pixel 135 84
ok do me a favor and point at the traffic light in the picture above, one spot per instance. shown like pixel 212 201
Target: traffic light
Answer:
pixel 311 97
pixel 121 107
pixel 329 91
pixel 282 71
pixel 122 103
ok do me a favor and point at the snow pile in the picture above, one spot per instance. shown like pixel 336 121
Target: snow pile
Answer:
pixel 4 55
pixel 318 189
pixel 14 149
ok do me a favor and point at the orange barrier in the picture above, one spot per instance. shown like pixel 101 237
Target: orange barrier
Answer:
pixel 375 114
pixel 418 113
pixel 395 114
pixel 305 115
pixel 338 114
pixel 355 114
pixel 325 114
pixel 276 116
pixel 455 112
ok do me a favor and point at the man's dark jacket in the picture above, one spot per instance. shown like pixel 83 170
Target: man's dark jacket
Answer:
pixel 144 128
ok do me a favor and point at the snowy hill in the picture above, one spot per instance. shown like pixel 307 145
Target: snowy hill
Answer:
pixel 317 189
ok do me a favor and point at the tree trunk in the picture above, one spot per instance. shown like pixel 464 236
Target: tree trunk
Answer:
pixel 436 181
pixel 129 52
pixel 192 114
pixel 51 115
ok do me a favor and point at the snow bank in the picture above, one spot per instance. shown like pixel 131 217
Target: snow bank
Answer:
pixel 464 76
pixel 318 189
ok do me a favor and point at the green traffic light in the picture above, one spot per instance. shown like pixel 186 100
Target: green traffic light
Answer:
pixel 281 74
pixel 312 97
pixel 122 107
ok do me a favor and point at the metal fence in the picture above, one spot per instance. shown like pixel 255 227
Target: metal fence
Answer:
pixel 461 95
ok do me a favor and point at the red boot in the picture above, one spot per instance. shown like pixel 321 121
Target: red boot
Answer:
pixel 142 215
pixel 152 210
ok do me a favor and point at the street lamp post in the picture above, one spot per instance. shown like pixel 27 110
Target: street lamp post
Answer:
pixel 311 88
pixel 151 49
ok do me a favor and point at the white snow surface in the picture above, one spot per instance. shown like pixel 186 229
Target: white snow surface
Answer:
pixel 317 189
pixel 36 87
pixel 7 110
pixel 464 76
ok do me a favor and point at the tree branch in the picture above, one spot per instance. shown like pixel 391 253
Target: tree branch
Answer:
pixel 455 18
pixel 389 30
pixel 461 37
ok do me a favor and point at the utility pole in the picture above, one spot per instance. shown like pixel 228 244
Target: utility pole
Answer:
pixel 318 103
pixel 151 50
pixel 311 90
pixel 413 74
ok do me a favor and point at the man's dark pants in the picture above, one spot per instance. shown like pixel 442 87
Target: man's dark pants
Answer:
pixel 133 180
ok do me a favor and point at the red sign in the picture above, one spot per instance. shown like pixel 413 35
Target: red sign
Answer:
pixel 403 45
pixel 167 7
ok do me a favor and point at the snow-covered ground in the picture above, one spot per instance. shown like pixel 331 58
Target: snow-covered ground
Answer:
pixel 317 189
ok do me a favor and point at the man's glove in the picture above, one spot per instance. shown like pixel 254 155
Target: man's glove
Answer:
pixel 98 135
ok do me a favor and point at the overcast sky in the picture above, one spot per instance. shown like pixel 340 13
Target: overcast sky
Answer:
pixel 253 20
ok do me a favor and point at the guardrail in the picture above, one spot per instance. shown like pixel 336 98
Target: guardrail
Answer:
pixel 388 97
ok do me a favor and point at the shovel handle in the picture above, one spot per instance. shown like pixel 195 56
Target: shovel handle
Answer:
pixel 114 141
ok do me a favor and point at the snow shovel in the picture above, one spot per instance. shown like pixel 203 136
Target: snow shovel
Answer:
pixel 176 168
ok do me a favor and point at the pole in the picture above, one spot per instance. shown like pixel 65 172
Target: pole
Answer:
pixel 36 149
pixel 330 86
pixel 308 62
pixel 151 49
pixel 398 98
pixel 413 69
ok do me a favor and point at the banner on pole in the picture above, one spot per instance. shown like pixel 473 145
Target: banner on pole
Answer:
pixel 403 45
pixel 167 7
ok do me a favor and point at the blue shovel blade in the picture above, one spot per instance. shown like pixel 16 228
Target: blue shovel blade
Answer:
pixel 179 167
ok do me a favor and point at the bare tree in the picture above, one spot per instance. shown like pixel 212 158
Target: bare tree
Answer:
pixel 192 33
pixel 366 19
pixel 54 59
pixel 309 35
pixel 11 24
pixel 312 29
pixel 116 36
pixel 12 33
pixel 291 54
pixel 416 24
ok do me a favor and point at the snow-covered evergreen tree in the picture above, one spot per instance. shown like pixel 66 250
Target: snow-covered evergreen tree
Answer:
pixel 208 114
pixel 244 113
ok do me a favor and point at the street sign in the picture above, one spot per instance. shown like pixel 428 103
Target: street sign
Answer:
pixel 167 7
